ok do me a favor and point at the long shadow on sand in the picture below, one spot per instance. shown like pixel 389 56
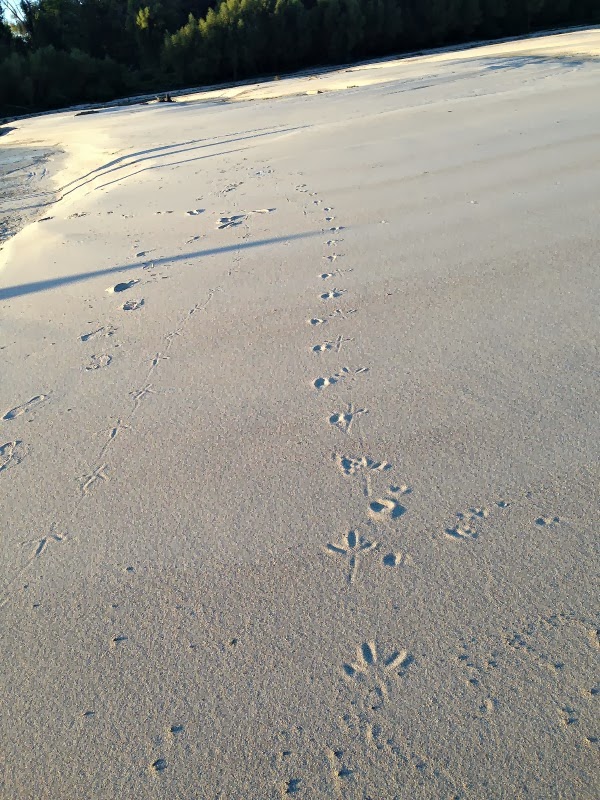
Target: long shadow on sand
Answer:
pixel 52 283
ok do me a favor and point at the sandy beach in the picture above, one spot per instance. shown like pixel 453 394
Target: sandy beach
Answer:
pixel 299 437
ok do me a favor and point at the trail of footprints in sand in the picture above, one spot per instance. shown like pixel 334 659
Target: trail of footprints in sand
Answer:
pixel 13 452
pixel 100 472
pixel 374 677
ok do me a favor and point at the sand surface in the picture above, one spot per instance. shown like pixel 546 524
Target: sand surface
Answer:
pixel 299 442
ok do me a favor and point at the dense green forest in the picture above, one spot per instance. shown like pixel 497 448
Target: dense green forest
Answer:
pixel 59 52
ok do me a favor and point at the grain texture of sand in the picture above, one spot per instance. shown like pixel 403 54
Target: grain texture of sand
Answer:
pixel 299 439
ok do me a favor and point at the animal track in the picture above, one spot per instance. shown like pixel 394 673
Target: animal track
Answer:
pixel 477 669
pixel 345 372
pixel 237 219
pixel 11 453
pixel 467 525
pixel 325 275
pixel 352 546
pixel 338 313
pixel 42 544
pixel 139 394
pixel 568 716
pixel 104 331
pixel 547 639
pixel 98 362
pixel 339 772
pixel 333 294
pixel 342 313
pixel 291 786
pixel 230 222
pixel 26 407
pixel 343 420
pixel 388 506
pixel 396 560
pixel 122 287
pixel 375 673
pixel 99 474
pixel 352 466
pixel 132 305
pixel 326 346
pixel 547 522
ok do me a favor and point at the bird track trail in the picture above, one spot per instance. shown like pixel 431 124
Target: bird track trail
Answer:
pixel 57 531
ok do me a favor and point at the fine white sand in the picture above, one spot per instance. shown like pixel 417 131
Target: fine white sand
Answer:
pixel 298 455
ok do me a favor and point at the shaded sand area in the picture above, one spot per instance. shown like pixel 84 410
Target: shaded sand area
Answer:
pixel 25 188
pixel 298 456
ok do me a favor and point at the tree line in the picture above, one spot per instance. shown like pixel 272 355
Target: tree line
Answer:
pixel 56 53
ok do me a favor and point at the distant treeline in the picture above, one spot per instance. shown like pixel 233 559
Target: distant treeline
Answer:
pixel 61 52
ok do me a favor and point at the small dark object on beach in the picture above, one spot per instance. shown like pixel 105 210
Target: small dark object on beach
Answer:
pixel 164 98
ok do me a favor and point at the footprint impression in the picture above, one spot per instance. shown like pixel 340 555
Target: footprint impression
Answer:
pixel 17 411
